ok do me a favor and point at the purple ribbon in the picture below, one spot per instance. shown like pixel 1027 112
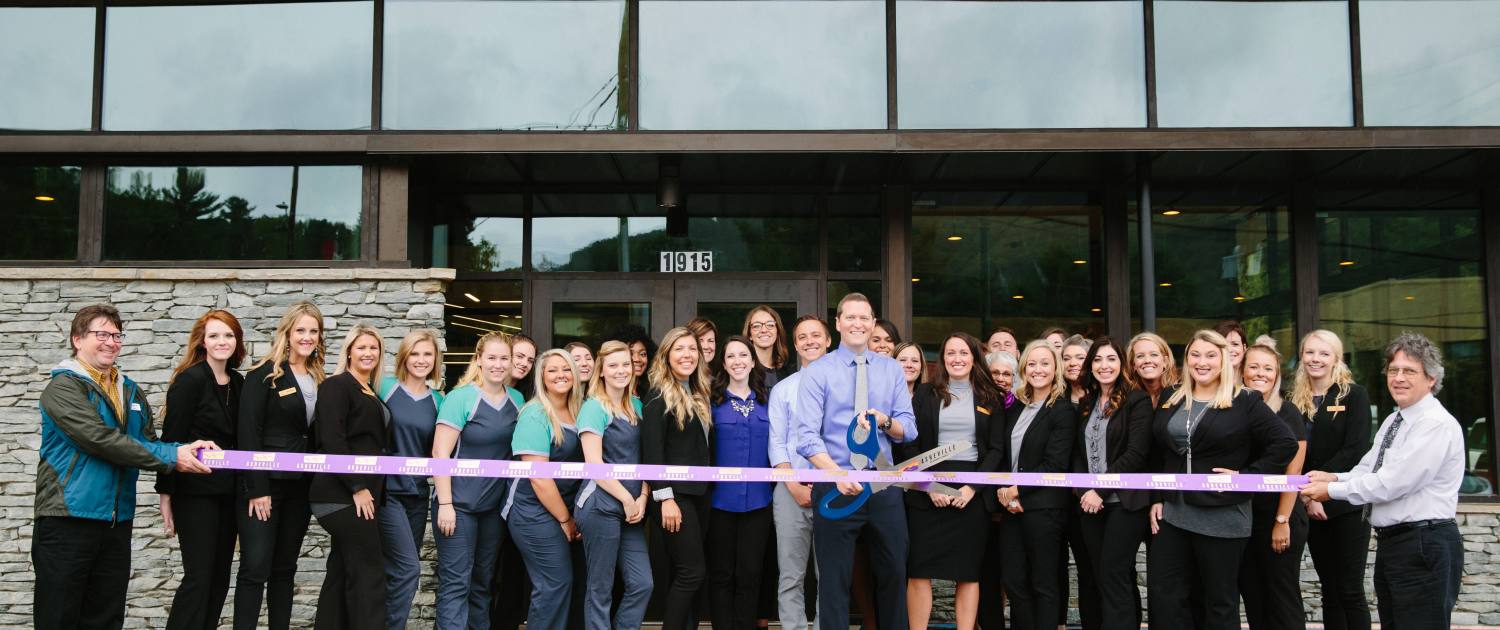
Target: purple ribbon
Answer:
pixel 424 466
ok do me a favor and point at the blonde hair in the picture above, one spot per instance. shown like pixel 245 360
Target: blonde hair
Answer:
pixel 355 332
pixel 1267 345
pixel 281 346
pixel 600 392
pixel 1302 387
pixel 1227 388
pixel 681 401
pixel 471 373
pixel 543 399
pixel 409 345
pixel 1059 386
pixel 1169 366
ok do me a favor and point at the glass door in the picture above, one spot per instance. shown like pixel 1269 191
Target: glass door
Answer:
pixel 564 310
pixel 726 302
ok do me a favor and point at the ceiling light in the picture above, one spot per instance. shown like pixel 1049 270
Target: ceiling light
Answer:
pixel 1095 310
pixel 471 297
pixel 916 279
pixel 1164 284
pixel 1346 263
pixel 955 237
pixel 1239 298
pixel 1017 297
pixel 1080 261
pixel 1171 212
pixel 1411 298
pixel 44 198
pixel 452 305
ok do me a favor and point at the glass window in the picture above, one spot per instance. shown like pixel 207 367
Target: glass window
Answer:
pixel 486 235
pixel 854 233
pixel 473 308
pixel 1246 240
pixel 749 232
pixel 261 66
pixel 836 291
pixel 762 64
pixel 584 232
pixel 1430 62
pixel 47 68
pixel 1020 65
pixel 1024 260
pixel 1411 261
pixel 43 201
pixel 233 213
pixel 593 322
pixel 1253 64
pixel 459 64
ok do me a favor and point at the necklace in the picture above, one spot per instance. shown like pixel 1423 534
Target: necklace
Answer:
pixel 745 409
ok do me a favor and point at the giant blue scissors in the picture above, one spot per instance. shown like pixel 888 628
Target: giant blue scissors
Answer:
pixel 864 447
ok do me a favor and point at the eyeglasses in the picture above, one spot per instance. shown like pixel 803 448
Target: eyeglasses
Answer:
pixel 763 326
pixel 1402 371
pixel 104 335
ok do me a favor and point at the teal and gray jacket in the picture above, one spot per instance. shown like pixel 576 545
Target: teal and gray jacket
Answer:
pixel 89 458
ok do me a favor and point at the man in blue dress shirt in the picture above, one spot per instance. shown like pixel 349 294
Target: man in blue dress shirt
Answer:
pixel 834 389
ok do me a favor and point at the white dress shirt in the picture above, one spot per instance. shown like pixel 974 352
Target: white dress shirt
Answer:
pixel 782 446
pixel 1420 476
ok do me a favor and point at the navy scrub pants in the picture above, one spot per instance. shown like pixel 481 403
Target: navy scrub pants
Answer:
pixel 466 565
pixel 608 543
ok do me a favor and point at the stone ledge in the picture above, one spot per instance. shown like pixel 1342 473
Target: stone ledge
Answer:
pixel 1478 508
pixel 126 274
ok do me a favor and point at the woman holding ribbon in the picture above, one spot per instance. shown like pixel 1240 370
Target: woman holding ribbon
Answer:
pixel 740 519
pixel 1207 425
pixel 476 421
pixel 539 511
pixel 611 512
pixel 1270 572
pixel 413 397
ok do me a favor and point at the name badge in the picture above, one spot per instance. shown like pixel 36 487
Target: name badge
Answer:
pixel 1335 407
pixel 982 410
pixel 287 392
pixel 135 406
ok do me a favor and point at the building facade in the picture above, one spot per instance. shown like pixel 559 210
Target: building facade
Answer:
pixel 1109 166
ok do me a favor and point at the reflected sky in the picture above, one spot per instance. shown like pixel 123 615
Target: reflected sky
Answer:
pixel 815 64
pixel 47 68
pixel 1431 63
pixel 323 192
pixel 281 66
pixel 461 64
pixel 505 234
pixel 1253 64
pixel 1020 64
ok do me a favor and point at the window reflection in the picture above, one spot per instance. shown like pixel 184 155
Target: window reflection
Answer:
pixel 263 66
pixel 593 322
pixel 47 68
pixel 854 233
pixel 1411 261
pixel 43 202
pixel 1023 260
pixel 472 309
pixel 1432 62
pixel 485 236
pixel 762 64
pixel 1020 64
pixel 233 213
pixel 460 64
pixel 1253 64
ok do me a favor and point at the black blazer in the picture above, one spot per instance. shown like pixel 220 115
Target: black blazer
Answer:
pixel 1247 437
pixel 273 417
pixel 1046 447
pixel 351 421
pixel 1127 445
pixel 663 443
pixel 926 406
pixel 196 412
pixel 1336 440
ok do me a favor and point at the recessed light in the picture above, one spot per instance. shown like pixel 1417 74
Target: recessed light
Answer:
pixel 471 297
pixel 1164 284
pixel 1017 297
pixel 916 279
pixel 44 198
pixel 1239 298
pixel 1346 263
pixel 1095 309
pixel 452 305
pixel 955 237
pixel 1411 298
pixel 1080 261
pixel 1171 213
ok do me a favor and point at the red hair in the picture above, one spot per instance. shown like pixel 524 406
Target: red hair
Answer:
pixel 195 353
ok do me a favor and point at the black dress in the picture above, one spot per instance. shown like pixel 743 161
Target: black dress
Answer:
pixel 947 543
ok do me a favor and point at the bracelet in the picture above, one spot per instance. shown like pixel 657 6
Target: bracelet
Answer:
pixel 565 522
pixel 448 503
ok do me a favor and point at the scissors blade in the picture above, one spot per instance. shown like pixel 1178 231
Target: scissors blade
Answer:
pixel 931 458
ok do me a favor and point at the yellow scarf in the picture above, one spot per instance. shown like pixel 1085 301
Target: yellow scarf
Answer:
pixel 109 381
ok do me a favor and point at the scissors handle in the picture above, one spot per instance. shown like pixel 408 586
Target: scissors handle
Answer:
pixel 825 506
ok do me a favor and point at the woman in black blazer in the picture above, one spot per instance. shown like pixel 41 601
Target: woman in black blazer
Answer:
pixel 352 420
pixel 1036 437
pixel 948 534
pixel 1207 425
pixel 1114 437
pixel 277 405
pixel 677 430
pixel 203 400
pixel 1337 411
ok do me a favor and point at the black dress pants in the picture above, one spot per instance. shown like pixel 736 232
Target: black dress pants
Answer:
pixel 991 586
pixel 353 595
pixel 1113 536
pixel 268 556
pixel 206 530
pixel 1340 548
pixel 1182 562
pixel 689 567
pixel 737 547
pixel 1089 611
pixel 1270 582
pixel 884 517
pixel 1417 575
pixel 1032 541
pixel 82 573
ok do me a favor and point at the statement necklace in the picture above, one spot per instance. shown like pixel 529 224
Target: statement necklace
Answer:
pixel 745 409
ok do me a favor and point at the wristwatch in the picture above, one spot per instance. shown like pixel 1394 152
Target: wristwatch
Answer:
pixel 886 426
pixel 1281 519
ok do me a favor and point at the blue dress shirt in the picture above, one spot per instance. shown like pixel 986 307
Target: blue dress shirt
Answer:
pixel 825 403
pixel 784 424
pixel 741 440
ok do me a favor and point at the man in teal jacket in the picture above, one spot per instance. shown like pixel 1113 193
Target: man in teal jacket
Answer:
pixel 96 436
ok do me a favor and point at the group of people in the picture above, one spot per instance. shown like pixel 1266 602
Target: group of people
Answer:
pixel 596 551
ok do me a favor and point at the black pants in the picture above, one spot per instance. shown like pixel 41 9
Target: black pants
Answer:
pixel 1032 542
pixel 689 567
pixel 1417 574
pixel 206 528
pixel 353 594
pixel 1270 582
pixel 268 556
pixel 737 551
pixel 510 590
pixel 82 573
pixel 1340 547
pixel 1112 537
pixel 833 545
pixel 1182 562
pixel 991 595
pixel 1090 612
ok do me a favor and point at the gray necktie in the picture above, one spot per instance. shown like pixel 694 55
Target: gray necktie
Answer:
pixel 1385 444
pixel 861 383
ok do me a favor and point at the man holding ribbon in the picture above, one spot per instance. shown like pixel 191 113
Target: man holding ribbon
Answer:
pixel 1408 484
pixel 855 385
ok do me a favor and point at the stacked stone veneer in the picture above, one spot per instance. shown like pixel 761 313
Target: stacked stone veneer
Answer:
pixel 160 305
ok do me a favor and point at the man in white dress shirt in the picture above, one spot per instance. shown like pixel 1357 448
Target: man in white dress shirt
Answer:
pixel 791 506
pixel 1409 484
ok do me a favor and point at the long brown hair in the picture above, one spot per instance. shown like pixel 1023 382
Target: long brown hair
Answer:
pixel 778 349
pixel 986 393
pixel 720 388
pixel 281 346
pixel 196 353
pixel 681 402
pixel 1092 387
